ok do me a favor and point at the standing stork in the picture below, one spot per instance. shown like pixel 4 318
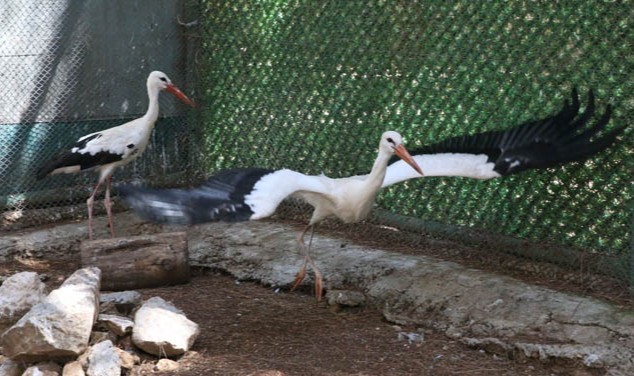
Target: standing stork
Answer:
pixel 106 150
pixel 250 194
pixel 255 193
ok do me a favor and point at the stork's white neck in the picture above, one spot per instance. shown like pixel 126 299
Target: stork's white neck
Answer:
pixel 375 179
pixel 153 107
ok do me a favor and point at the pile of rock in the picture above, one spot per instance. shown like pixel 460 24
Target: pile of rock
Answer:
pixel 75 330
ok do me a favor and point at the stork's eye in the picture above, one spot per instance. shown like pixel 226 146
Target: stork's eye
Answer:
pixel 163 79
pixel 389 139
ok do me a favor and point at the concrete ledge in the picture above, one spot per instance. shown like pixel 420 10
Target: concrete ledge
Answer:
pixel 481 309
pixel 498 313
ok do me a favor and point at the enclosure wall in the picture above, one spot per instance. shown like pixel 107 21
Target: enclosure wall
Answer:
pixel 70 68
pixel 311 85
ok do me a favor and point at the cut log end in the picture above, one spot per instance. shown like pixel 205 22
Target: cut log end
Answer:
pixel 139 262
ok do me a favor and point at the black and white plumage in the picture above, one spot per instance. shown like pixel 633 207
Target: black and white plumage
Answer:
pixel 225 196
pixel 251 193
pixel 106 150
pixel 549 142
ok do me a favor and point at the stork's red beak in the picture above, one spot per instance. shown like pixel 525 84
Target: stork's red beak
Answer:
pixel 402 153
pixel 179 94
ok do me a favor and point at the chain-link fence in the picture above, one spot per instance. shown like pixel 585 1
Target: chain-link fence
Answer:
pixel 311 86
pixel 70 68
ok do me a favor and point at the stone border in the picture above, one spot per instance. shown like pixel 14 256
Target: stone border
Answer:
pixel 482 309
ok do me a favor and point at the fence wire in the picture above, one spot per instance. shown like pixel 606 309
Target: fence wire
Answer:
pixel 312 85
pixel 71 68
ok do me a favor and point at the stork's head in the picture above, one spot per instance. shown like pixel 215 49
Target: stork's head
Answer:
pixel 159 81
pixel 392 143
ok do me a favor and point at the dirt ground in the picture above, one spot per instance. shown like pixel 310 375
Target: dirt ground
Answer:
pixel 250 329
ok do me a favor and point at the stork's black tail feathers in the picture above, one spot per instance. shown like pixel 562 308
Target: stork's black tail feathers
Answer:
pixel 220 198
pixel 549 142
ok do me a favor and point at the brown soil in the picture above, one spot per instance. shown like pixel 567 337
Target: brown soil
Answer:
pixel 249 329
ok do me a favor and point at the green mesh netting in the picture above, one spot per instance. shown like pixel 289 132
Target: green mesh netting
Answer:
pixel 66 72
pixel 311 85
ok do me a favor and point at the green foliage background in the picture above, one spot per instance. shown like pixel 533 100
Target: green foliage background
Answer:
pixel 311 85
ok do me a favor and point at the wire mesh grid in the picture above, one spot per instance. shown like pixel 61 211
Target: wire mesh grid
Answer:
pixel 312 85
pixel 73 68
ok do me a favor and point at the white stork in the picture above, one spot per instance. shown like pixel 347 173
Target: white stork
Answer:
pixel 106 150
pixel 253 193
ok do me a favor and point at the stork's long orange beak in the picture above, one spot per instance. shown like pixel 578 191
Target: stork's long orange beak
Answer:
pixel 179 94
pixel 402 153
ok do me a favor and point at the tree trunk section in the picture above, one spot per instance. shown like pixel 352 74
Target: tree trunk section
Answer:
pixel 139 262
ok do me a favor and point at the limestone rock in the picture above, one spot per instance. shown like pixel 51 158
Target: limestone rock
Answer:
pixel 108 308
pixel 60 325
pixel 118 325
pixel 124 301
pixel 11 368
pixel 96 337
pixel 103 360
pixel 166 365
pixel 162 329
pixel 346 298
pixel 43 369
pixel 73 368
pixel 128 360
pixel 18 294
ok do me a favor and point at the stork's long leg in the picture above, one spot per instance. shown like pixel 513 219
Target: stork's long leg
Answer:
pixel 108 204
pixel 90 202
pixel 301 274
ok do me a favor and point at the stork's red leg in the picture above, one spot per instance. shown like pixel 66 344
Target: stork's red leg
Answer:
pixel 318 277
pixel 301 274
pixel 108 204
pixel 89 202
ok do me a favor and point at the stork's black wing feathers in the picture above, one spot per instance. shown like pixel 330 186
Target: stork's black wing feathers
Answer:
pixel 84 159
pixel 549 142
pixel 220 198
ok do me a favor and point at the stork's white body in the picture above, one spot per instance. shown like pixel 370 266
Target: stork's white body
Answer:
pixel 114 141
pixel 350 199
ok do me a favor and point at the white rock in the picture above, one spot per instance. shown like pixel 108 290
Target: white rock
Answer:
pixel 592 360
pixel 128 360
pixel 411 337
pixel 345 298
pixel 119 325
pixel 60 325
pixel 96 337
pixel 83 359
pixel 124 301
pixel 43 369
pixel 11 368
pixel 162 329
pixel 165 365
pixel 18 294
pixel 108 308
pixel 103 360
pixel 73 368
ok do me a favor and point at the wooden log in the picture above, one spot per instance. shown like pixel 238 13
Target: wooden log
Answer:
pixel 140 261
